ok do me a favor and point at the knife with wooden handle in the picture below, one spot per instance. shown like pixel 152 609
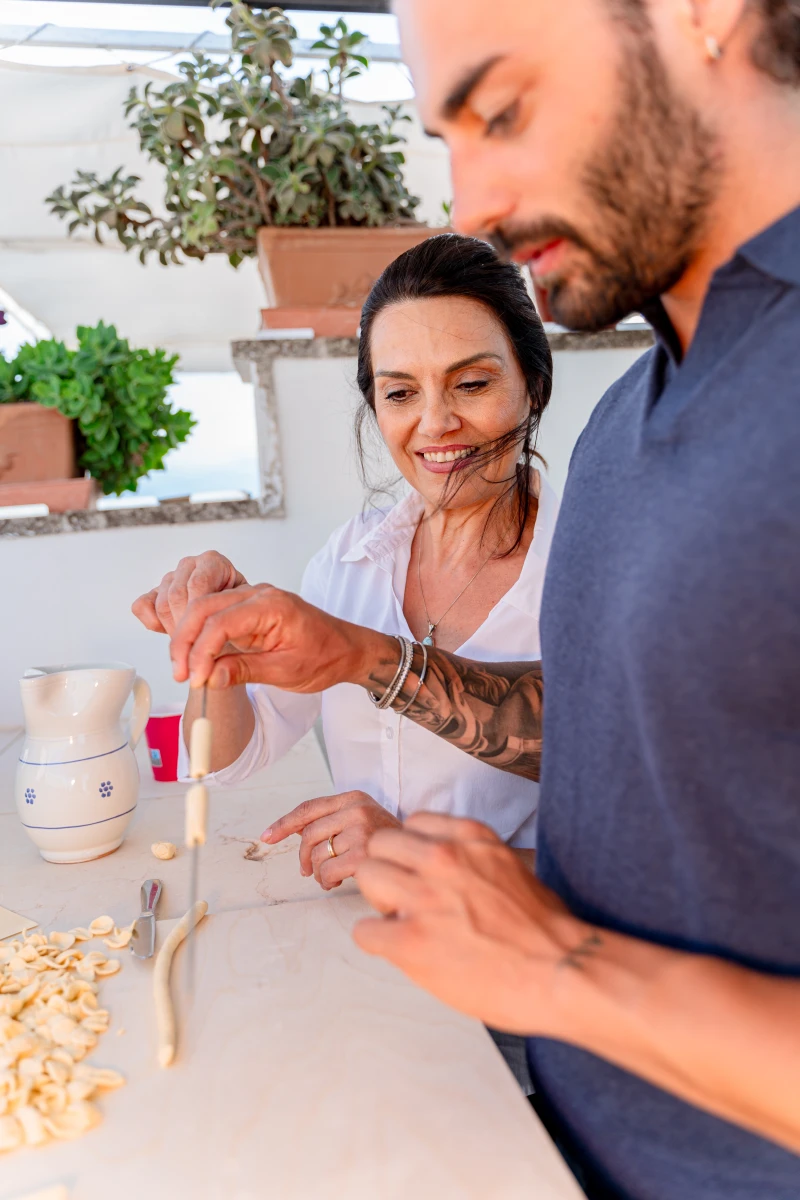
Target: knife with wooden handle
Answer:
pixel 143 942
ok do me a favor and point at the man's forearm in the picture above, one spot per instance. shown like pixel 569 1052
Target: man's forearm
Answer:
pixel 260 634
pixel 718 1035
pixel 493 711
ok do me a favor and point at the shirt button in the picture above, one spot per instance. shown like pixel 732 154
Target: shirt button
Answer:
pixel 390 734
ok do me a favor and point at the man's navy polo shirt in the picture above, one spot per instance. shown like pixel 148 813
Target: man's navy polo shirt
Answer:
pixel 670 801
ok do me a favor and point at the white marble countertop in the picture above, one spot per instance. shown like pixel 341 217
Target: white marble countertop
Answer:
pixel 305 1068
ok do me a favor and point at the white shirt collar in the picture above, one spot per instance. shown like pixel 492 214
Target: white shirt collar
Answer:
pixel 382 542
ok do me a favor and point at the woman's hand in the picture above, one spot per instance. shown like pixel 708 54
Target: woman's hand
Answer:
pixel 162 608
pixel 349 820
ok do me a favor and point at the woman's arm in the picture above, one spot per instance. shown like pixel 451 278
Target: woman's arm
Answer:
pixel 492 711
pixel 232 722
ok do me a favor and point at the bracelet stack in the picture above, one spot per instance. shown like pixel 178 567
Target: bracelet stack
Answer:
pixel 401 674
pixel 420 682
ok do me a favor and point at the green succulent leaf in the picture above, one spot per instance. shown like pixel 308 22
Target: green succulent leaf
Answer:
pixel 117 396
pixel 232 140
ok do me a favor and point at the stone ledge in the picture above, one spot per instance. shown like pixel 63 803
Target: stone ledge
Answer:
pixel 124 518
pixel 262 353
pixel 608 339
pixel 267 349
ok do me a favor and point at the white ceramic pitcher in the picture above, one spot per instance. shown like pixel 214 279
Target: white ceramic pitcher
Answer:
pixel 77 777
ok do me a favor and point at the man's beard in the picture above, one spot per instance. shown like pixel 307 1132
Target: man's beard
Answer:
pixel 651 186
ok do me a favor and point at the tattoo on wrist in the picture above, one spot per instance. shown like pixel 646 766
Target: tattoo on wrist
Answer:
pixel 492 711
pixel 585 950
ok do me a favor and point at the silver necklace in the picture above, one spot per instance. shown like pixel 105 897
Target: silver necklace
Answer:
pixel 432 625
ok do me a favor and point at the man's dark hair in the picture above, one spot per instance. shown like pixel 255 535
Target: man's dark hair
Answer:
pixel 776 48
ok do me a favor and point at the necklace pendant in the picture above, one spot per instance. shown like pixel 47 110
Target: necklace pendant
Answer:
pixel 428 641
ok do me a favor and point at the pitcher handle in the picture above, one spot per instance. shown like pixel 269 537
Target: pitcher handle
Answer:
pixel 142 700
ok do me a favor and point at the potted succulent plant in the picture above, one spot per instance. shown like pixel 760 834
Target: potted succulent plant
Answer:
pixel 73 422
pixel 256 164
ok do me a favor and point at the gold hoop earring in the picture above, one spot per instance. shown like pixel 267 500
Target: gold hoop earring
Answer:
pixel 713 48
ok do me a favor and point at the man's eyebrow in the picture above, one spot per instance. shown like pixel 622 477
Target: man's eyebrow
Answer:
pixel 461 92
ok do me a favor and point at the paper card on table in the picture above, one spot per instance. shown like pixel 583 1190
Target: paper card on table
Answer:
pixel 11 923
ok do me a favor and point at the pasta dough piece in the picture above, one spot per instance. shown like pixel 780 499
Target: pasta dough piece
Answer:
pixel 163 850
pixel 119 938
pixel 100 926
pixel 10 1133
pixel 109 967
pixel 63 941
pixel 49 1021
pixel 165 1013
pixel 200 748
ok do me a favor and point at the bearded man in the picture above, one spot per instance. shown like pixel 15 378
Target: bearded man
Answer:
pixel 638 155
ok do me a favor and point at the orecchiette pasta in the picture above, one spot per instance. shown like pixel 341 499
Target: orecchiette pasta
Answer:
pixel 163 850
pixel 49 1021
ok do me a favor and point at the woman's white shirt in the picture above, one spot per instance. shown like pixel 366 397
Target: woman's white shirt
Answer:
pixel 360 575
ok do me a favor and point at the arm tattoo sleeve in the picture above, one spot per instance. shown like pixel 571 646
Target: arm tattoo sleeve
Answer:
pixel 493 711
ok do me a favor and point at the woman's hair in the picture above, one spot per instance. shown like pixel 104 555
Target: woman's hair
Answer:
pixel 452 265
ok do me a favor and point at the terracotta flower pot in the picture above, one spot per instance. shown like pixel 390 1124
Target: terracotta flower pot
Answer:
pixel 37 460
pixel 60 495
pixel 321 277
pixel 36 443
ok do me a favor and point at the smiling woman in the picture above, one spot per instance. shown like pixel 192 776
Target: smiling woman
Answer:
pixel 455 372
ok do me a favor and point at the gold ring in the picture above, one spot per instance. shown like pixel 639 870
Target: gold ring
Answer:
pixel 331 851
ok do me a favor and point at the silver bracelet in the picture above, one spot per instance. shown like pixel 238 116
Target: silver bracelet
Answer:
pixel 392 690
pixel 418 688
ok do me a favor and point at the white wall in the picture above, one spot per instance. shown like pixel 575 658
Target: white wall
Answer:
pixel 66 598
pixel 70 118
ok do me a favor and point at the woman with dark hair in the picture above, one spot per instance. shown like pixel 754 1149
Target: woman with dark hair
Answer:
pixel 455 371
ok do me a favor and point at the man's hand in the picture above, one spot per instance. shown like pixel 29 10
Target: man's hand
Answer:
pixel 465 919
pixel 163 607
pixel 265 635
pixel 349 820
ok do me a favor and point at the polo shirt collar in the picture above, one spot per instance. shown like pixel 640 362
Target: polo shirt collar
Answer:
pixel 776 250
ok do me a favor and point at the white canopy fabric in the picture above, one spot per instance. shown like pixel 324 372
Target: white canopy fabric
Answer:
pixel 59 120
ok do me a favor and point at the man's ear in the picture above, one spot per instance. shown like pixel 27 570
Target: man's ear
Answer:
pixel 713 23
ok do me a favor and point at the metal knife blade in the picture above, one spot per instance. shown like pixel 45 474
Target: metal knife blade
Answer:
pixel 143 942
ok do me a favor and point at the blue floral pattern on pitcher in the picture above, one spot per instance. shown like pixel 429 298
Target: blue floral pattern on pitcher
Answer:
pixel 106 788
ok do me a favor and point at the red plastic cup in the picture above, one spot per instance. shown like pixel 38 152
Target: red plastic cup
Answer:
pixel 162 732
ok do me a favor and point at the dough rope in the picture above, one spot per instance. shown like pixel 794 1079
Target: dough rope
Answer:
pixel 165 1012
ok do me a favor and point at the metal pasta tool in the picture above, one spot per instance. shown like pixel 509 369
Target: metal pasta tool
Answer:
pixel 197 812
pixel 143 942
